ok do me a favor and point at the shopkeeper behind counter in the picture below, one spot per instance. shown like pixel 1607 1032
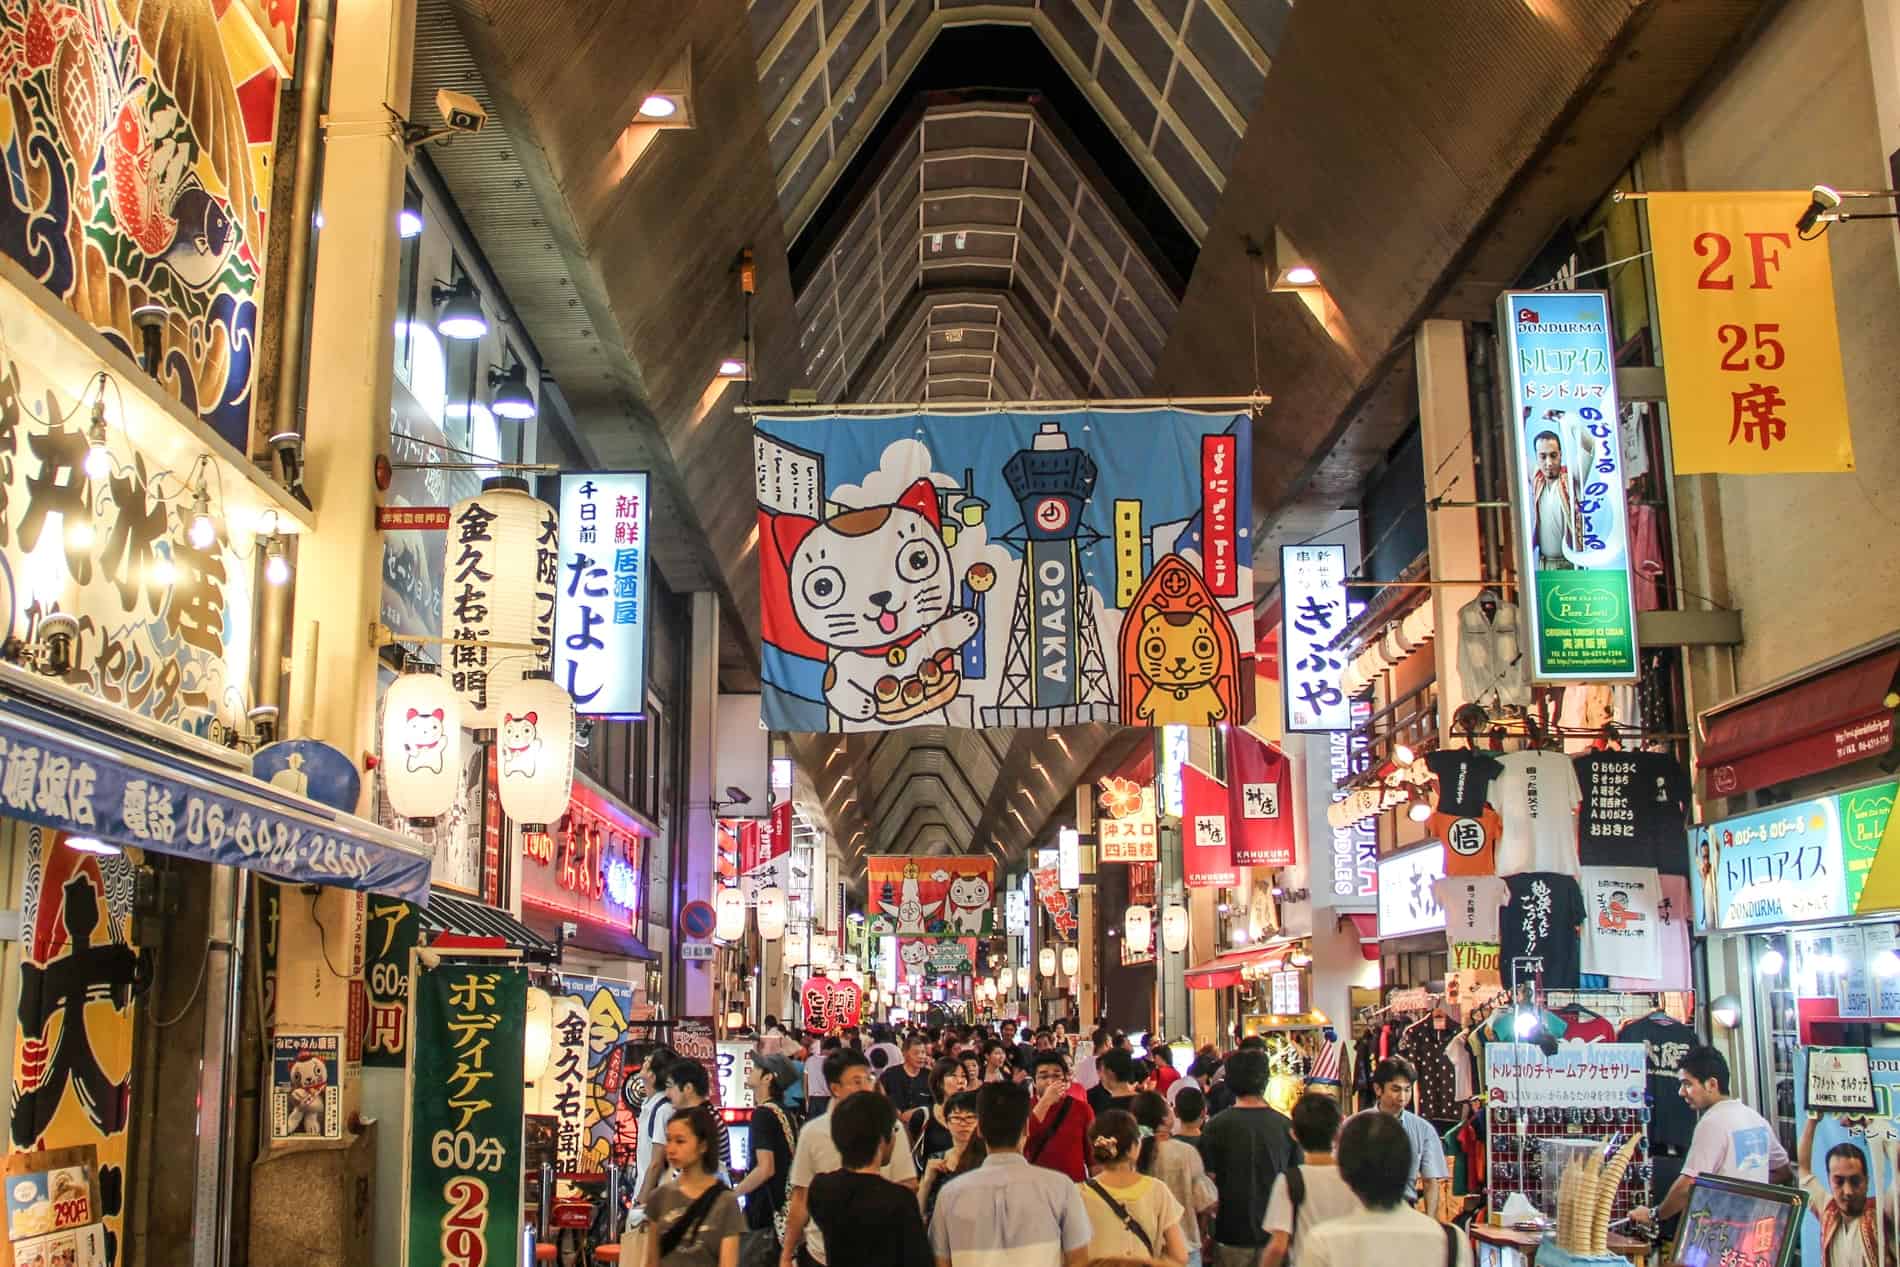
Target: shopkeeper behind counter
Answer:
pixel 1731 1139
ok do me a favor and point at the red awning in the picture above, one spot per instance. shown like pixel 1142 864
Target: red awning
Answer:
pixel 1367 926
pixel 1832 718
pixel 1224 970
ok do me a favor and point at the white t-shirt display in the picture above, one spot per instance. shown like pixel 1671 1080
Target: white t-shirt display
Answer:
pixel 1622 931
pixel 816 1155
pixel 1537 798
pixel 1327 1198
pixel 1471 903
pixel 1735 1142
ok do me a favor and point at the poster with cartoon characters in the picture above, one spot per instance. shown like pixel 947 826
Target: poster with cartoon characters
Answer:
pixel 1004 569
pixel 306 1091
pixel 927 960
pixel 932 897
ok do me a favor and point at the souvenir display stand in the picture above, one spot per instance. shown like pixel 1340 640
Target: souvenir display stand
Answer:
pixel 1586 1092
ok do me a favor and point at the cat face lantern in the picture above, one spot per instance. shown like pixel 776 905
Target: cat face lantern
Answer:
pixel 874 586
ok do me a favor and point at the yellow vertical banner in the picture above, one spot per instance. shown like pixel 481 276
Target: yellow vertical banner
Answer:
pixel 1127 551
pixel 1750 343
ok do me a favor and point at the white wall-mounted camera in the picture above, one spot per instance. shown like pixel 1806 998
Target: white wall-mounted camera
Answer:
pixel 460 111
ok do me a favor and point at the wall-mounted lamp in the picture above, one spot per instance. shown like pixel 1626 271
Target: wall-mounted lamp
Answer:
pixel 409 219
pixel 203 530
pixel 149 319
pixel 461 315
pixel 276 566
pixel 1726 1011
pixel 511 399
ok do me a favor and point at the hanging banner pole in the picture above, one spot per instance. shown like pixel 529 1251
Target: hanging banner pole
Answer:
pixel 1256 401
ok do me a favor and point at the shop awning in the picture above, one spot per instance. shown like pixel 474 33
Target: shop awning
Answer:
pixel 124 788
pixel 452 923
pixel 1835 717
pixel 1224 970
pixel 1366 925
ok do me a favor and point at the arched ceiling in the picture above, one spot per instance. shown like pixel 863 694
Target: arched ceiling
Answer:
pixel 995 199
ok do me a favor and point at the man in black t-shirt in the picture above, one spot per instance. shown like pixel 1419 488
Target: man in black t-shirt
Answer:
pixel 908 1084
pixel 1119 1075
pixel 1246 1147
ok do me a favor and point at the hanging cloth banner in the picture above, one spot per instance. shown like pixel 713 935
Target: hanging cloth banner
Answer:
pixel 1260 802
pixel 1751 343
pixel 1001 569
pixel 942 897
pixel 1206 857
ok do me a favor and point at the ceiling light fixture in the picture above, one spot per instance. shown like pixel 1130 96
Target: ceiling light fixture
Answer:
pixel 1301 275
pixel 461 315
pixel 511 399
pixel 732 367
pixel 657 105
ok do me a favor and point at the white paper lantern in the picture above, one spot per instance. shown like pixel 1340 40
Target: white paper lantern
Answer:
pixel 1022 978
pixel 1419 624
pixel 539 1042
pixel 1046 960
pixel 422 745
pixel 1071 960
pixel 729 912
pixel 534 750
pixel 1138 927
pixel 1174 928
pixel 502 568
pixel 769 910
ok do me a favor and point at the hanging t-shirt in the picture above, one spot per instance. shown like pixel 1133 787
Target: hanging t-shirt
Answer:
pixel 1633 811
pixel 1471 844
pixel 1471 907
pixel 1540 922
pixel 1437 1085
pixel 1621 933
pixel 1464 779
pixel 1588 1028
pixel 1665 1041
pixel 1537 798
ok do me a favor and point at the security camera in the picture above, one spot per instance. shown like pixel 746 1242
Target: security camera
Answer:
pixel 287 447
pixel 460 111
pixel 1824 199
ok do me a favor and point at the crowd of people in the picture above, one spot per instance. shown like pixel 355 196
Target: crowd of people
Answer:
pixel 966 1146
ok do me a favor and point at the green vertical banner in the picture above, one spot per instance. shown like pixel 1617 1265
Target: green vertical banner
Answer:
pixel 1864 814
pixel 389 935
pixel 1572 523
pixel 465 1116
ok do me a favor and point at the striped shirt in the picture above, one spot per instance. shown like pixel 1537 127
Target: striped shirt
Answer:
pixel 1008 1212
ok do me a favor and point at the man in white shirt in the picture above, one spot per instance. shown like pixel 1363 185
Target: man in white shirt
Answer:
pixel 847 1073
pixel 1731 1139
pixel 1311 1191
pixel 1375 1161
pixel 655 1112
pixel 817 1098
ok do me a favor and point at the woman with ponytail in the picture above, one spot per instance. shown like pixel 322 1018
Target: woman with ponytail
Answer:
pixel 1133 1215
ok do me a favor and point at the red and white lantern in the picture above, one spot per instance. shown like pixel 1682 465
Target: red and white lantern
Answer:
pixel 422 745
pixel 534 750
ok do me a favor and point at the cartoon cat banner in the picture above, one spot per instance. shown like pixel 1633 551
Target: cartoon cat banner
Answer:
pixel 932 897
pixel 1004 569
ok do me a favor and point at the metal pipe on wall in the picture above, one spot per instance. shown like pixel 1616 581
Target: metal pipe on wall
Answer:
pixel 303 197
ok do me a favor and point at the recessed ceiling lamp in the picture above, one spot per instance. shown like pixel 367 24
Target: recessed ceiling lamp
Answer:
pixel 732 367
pixel 1301 275
pixel 461 315
pixel 512 399
pixel 657 105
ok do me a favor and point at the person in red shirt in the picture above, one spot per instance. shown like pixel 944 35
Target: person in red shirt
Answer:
pixel 1059 1120
pixel 1165 1072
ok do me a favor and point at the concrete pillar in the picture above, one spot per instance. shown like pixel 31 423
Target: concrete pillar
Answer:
pixel 693 862
pixel 1444 410
pixel 1203 943
pixel 1171 966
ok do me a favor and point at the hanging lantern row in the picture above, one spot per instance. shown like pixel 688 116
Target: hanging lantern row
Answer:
pixel 1399 640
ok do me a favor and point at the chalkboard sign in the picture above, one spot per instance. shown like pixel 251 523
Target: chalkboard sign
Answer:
pixel 1839 1080
pixel 1733 1223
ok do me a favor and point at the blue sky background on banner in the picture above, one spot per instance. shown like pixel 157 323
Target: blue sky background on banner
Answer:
pixel 1153 456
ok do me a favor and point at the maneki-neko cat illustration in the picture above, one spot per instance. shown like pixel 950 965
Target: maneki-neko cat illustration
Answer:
pixel 1180 659
pixel 910 911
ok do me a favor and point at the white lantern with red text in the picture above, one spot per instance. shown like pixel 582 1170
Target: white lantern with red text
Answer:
pixel 1022 978
pixel 538 1044
pixel 1071 961
pixel 534 750
pixel 729 914
pixel 498 586
pixel 1174 928
pixel 1046 960
pixel 769 910
pixel 1138 928
pixel 422 746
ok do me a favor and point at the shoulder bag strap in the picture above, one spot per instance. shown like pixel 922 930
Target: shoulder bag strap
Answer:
pixel 1055 1124
pixel 1296 1196
pixel 1451 1244
pixel 1120 1211
pixel 694 1215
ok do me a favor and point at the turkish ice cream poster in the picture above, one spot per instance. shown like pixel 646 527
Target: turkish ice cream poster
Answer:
pixel 1004 569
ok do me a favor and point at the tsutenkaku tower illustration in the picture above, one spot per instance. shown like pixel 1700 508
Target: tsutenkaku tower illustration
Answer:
pixel 1053 670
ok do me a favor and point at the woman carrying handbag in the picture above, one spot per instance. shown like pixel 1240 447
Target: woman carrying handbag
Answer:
pixel 774 1136
pixel 1133 1215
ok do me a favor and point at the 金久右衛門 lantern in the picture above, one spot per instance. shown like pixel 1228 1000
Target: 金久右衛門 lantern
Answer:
pixel 422 746
pixel 498 587
pixel 534 750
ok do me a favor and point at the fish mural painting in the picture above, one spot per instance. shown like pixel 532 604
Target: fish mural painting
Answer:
pixel 1004 569
pixel 136 139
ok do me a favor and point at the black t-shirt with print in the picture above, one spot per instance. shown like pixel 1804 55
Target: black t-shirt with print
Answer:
pixel 1665 1040
pixel 1633 810
pixel 1464 776
pixel 1541 921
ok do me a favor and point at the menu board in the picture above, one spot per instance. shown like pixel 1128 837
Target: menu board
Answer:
pixel 53 1213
